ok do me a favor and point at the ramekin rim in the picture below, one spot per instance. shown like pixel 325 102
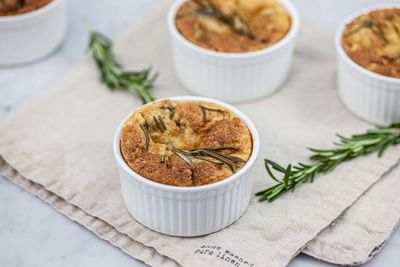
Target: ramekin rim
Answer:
pixel 290 8
pixel 31 14
pixel 347 58
pixel 191 189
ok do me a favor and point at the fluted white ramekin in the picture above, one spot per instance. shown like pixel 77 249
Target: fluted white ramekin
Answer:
pixel 370 96
pixel 188 211
pixel 232 76
pixel 30 36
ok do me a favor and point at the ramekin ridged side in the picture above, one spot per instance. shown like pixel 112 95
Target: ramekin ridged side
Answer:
pixel 232 76
pixel 370 96
pixel 28 37
pixel 188 211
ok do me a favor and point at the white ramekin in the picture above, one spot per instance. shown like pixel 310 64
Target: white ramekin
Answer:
pixel 30 36
pixel 188 211
pixel 370 96
pixel 232 76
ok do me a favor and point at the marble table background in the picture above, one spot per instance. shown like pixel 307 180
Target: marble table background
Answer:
pixel 31 232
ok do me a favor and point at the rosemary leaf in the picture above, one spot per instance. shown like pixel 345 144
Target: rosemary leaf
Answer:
pixel 210 109
pixel 231 164
pixel 161 120
pixel 216 148
pixel 275 165
pixel 146 136
pixel 270 173
pixel 204 154
pixel 159 123
pixel 209 160
pixel 287 176
pixel 182 155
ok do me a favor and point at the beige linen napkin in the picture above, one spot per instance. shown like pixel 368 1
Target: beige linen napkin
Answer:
pixel 361 231
pixel 59 147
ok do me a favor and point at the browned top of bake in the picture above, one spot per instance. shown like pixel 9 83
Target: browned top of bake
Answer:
pixel 185 143
pixel 266 22
pixel 373 41
pixel 16 7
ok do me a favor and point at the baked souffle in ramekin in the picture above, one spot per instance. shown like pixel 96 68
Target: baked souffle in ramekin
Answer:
pixel 185 164
pixel 185 143
pixel 372 40
pixel 30 29
pixel 233 26
pixel 232 50
pixel 368 46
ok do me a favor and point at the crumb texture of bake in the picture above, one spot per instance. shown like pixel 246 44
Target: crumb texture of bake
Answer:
pixel 16 7
pixel 372 40
pixel 233 26
pixel 185 143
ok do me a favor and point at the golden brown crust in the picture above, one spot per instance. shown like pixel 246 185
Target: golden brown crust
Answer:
pixel 208 173
pixel 373 41
pixel 188 142
pixel 223 133
pixel 190 113
pixel 175 172
pixel 12 7
pixel 267 21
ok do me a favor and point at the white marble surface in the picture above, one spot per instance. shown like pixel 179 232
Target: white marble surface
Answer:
pixel 31 232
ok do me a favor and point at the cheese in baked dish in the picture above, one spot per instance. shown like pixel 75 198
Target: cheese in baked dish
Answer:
pixel 233 25
pixel 372 40
pixel 185 143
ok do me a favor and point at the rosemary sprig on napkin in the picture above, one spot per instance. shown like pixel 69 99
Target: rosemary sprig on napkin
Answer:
pixel 138 83
pixel 325 160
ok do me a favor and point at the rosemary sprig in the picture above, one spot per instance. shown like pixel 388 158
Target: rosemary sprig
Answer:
pixel 324 160
pixel 138 83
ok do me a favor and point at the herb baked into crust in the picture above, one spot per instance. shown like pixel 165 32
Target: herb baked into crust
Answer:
pixel 233 25
pixel 185 143
pixel 373 41
pixel 16 7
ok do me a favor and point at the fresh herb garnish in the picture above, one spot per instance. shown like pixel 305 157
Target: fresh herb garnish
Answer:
pixel 206 154
pixel 204 109
pixel 136 82
pixel 324 160
pixel 171 110
pixel 146 136
pixel 160 123
pixel 210 109
pixel 203 158
pixel 183 156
